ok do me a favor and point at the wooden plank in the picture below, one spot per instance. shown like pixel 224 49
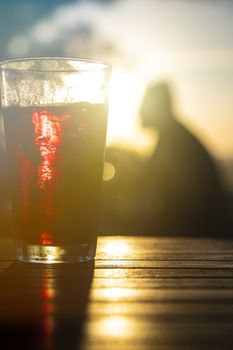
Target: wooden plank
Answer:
pixel 175 256
pixel 134 273
pixel 154 309
pixel 127 294
pixel 162 319
pixel 162 273
pixel 153 346
pixel 161 295
pixel 171 283
pixel 142 264
pixel 126 346
pixel 152 242
pixel 116 247
pixel 134 283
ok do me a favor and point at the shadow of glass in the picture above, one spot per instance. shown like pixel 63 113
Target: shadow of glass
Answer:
pixel 44 306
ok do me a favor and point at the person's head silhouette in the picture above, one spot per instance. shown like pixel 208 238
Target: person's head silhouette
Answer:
pixel 157 110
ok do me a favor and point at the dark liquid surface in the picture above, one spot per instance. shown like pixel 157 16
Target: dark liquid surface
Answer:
pixel 55 157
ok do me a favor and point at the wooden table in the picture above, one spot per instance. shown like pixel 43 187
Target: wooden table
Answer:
pixel 143 293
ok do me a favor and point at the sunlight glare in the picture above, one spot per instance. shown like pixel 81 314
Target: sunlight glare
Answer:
pixel 116 248
pixel 82 86
pixel 114 326
pixel 124 97
pixel 116 294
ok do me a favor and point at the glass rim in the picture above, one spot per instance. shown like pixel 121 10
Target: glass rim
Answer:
pixel 102 65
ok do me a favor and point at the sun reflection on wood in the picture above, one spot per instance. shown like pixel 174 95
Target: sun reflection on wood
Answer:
pixel 110 248
pixel 114 326
pixel 113 294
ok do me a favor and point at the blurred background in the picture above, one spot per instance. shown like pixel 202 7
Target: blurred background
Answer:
pixel 187 44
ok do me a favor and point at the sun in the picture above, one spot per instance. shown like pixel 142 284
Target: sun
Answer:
pixel 124 98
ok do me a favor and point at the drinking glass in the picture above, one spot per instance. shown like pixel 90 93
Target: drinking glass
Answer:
pixel 55 117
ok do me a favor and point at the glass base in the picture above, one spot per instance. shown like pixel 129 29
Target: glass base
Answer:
pixel 55 254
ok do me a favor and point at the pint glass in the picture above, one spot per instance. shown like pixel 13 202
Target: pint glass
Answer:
pixel 55 117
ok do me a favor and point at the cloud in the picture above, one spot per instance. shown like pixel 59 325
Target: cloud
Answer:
pixel 134 31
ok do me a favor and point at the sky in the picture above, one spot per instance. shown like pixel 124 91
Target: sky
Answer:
pixel 187 43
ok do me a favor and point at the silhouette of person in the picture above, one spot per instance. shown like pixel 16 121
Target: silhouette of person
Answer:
pixel 181 180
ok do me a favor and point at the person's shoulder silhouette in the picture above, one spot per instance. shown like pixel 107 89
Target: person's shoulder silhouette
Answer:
pixel 188 193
